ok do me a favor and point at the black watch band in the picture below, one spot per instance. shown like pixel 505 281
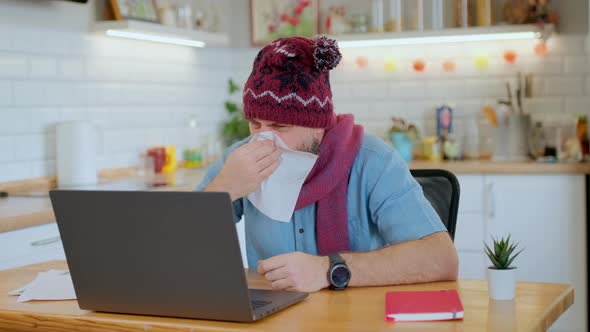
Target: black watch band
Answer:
pixel 339 274
pixel 336 258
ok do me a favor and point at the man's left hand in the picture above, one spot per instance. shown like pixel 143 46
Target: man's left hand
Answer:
pixel 296 271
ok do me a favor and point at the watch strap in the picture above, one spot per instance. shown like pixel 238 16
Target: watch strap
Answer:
pixel 336 259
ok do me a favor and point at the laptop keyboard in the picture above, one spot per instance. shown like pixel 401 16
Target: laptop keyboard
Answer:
pixel 259 303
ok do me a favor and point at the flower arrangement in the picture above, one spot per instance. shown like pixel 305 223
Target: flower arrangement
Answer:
pixel 298 21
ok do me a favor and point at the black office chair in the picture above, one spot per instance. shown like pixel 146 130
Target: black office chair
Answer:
pixel 441 189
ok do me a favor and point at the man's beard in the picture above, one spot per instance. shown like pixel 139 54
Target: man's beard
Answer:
pixel 314 147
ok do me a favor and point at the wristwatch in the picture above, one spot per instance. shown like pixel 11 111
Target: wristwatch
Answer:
pixel 339 273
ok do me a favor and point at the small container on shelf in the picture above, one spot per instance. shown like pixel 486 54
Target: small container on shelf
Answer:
pixel 413 10
pixel 394 19
pixel 377 16
pixel 464 13
pixel 360 23
pixel 484 13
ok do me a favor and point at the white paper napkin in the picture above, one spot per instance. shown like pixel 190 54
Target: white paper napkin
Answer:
pixel 277 195
pixel 49 285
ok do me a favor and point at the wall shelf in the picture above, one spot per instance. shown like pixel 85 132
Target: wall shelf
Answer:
pixel 501 32
pixel 155 32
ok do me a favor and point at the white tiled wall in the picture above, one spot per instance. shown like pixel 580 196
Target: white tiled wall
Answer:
pixel 139 94
pixel 374 95
pixel 142 94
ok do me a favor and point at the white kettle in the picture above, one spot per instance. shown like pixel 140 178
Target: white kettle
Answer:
pixel 76 148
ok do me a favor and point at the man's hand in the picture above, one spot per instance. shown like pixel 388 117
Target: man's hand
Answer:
pixel 246 168
pixel 296 271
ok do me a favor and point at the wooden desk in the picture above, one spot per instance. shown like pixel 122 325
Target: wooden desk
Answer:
pixel 536 307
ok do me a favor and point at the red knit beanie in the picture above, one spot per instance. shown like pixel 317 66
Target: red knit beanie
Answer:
pixel 290 82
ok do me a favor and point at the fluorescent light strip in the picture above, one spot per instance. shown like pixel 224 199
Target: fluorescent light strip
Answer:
pixel 154 38
pixel 439 39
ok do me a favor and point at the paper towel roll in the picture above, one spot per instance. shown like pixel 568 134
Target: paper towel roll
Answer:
pixel 76 154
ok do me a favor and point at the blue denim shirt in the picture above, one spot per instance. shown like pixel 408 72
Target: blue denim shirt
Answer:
pixel 385 206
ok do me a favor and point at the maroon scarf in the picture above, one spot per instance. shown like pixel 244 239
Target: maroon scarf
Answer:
pixel 327 184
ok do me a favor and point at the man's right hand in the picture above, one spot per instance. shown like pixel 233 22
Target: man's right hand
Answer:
pixel 246 168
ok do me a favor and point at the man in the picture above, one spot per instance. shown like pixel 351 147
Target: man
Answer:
pixel 360 218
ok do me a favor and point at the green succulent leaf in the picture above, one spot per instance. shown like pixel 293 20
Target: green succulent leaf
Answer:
pixel 502 254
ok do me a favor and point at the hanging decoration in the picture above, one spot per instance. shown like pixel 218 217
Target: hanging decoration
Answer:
pixel 481 61
pixel 510 56
pixel 541 48
pixel 419 66
pixel 390 65
pixel 449 66
pixel 362 62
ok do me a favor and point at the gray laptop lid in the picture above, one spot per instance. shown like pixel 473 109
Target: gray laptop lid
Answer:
pixel 154 253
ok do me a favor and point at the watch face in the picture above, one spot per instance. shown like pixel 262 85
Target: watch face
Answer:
pixel 340 276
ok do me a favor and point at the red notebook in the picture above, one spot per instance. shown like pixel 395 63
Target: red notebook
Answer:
pixel 423 305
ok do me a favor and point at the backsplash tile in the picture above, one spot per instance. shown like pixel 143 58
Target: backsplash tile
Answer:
pixel 5 93
pixel 7 146
pixel 12 66
pixel 565 86
pixel 43 67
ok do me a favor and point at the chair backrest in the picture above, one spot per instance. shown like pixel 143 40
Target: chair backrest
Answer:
pixel 441 189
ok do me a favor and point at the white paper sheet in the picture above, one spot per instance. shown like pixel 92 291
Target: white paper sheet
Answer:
pixel 49 285
pixel 277 195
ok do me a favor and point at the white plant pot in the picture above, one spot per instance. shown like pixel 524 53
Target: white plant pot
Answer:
pixel 501 283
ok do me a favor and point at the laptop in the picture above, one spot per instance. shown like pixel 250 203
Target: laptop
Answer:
pixel 159 253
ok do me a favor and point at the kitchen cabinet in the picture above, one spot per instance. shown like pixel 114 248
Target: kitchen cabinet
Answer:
pixel 30 245
pixel 545 213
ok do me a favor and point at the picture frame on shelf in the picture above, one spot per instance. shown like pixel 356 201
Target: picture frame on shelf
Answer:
pixel 140 10
pixel 272 19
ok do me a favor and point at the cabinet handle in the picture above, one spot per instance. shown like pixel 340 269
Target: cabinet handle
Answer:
pixel 43 242
pixel 491 201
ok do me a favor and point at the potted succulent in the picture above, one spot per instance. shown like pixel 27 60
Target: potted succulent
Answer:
pixel 502 275
pixel 403 135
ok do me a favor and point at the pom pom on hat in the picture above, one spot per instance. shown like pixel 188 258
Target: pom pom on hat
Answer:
pixel 325 53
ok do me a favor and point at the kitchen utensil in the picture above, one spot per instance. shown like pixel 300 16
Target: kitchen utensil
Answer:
pixel 444 121
pixel 158 154
pixel 403 145
pixel 170 163
pixel 528 86
pixel 537 140
pixel 490 115
pixel 510 101
pixel 76 144
pixel 431 148
pixel 519 93
pixel 518 125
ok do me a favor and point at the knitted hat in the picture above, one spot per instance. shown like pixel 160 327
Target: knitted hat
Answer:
pixel 290 82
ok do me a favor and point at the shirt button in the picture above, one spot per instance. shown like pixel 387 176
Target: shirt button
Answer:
pixel 301 231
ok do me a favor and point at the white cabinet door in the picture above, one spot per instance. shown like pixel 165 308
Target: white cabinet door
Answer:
pixel 546 214
pixel 470 230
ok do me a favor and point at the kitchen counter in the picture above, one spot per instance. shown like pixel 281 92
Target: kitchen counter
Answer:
pixel 491 167
pixel 17 212
pixel 22 212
